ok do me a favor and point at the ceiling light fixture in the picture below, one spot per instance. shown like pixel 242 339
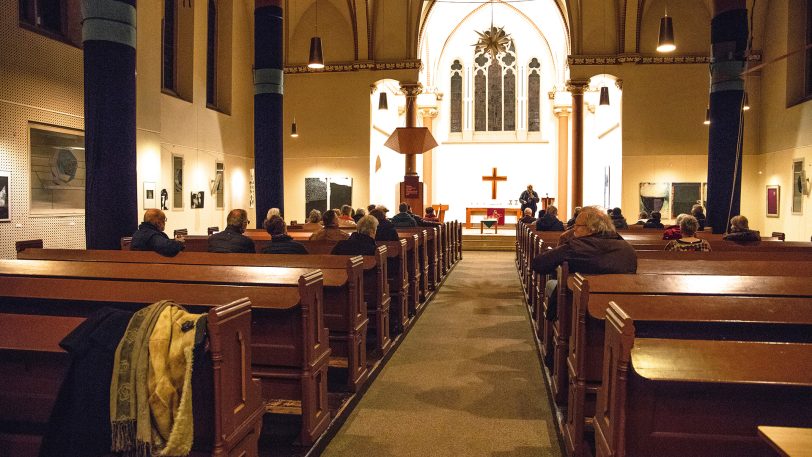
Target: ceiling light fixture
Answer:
pixel 294 132
pixel 666 41
pixel 316 55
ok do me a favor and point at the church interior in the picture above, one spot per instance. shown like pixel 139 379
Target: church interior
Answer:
pixel 198 107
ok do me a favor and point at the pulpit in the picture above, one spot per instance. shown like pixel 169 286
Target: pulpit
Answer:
pixel 546 201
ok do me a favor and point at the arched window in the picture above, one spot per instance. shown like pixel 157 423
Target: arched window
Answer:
pixel 456 96
pixel 533 95
pixel 495 91
pixel 211 55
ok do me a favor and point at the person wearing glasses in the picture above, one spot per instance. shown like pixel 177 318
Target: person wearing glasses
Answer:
pixel 595 248
pixel 150 235
pixel 232 239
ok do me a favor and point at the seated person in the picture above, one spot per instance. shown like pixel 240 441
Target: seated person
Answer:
pixel 281 242
pixel 362 241
pixel 386 231
pixel 654 222
pixel 575 213
pixel 618 220
pixel 403 218
pixel 430 216
pixel 595 248
pixel 699 213
pixel 528 216
pixel 739 231
pixel 330 231
pixel 232 239
pixel 642 218
pixel 674 232
pixel 688 242
pixel 313 223
pixel 150 235
pixel 549 222
pixel 273 212
pixel 345 218
pixel 359 213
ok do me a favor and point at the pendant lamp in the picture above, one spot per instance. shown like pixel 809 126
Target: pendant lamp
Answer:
pixel 666 41
pixel 707 117
pixel 294 133
pixel 746 103
pixel 604 99
pixel 316 56
pixel 383 102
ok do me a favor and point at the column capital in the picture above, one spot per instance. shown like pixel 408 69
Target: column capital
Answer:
pixel 619 84
pixel 562 111
pixel 428 112
pixel 577 86
pixel 411 89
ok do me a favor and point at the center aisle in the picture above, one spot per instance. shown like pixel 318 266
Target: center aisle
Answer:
pixel 466 380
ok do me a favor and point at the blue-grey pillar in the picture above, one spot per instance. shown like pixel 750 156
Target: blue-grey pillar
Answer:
pixel 268 131
pixel 111 190
pixel 728 46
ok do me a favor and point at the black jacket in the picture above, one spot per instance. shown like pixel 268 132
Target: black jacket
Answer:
pixel 231 240
pixel 403 220
pixel 149 238
pixel 357 244
pixel 386 231
pixel 597 253
pixel 653 223
pixel 549 223
pixel 284 244
pixel 743 237
pixel 620 222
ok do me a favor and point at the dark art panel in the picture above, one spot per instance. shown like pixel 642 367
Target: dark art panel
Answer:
pixel 5 196
pixel 494 96
pixel 177 177
pixel 510 101
pixel 533 103
pixel 340 192
pixel 480 105
pixel 315 194
pixel 456 103
pixel 686 195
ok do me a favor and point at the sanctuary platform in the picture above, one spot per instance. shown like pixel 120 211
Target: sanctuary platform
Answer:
pixel 502 238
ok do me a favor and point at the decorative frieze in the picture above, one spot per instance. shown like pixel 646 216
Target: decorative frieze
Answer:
pixel 358 66
pixel 646 59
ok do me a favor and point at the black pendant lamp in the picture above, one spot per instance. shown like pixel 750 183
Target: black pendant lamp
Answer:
pixel 745 103
pixel 666 41
pixel 294 132
pixel 707 117
pixel 316 56
pixel 604 100
pixel 383 102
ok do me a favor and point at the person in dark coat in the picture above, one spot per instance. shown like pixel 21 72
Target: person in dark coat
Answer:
pixel 362 241
pixel 549 222
pixel 642 218
pixel 359 213
pixel 575 214
pixel 699 213
pixel 281 242
pixel 528 216
pixel 595 248
pixel 740 231
pixel 150 235
pixel 618 220
pixel 386 231
pixel 232 239
pixel 403 218
pixel 654 222
pixel 529 198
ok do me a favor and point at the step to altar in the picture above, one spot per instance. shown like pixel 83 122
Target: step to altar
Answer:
pixel 489 242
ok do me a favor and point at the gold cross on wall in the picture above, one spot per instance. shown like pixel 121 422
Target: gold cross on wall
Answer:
pixel 493 179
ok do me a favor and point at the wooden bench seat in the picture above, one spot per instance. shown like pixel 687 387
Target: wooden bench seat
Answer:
pixel 670 397
pixel 290 345
pixel 34 366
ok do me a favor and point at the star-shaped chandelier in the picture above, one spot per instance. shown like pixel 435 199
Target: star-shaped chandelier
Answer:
pixel 493 41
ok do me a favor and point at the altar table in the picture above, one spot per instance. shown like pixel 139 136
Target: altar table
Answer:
pixel 484 211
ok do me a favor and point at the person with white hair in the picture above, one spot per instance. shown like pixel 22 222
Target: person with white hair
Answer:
pixel 362 241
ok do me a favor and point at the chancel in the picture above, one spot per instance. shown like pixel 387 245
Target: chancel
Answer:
pixel 427 344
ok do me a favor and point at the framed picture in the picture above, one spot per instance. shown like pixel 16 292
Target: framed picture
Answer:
pixel 149 195
pixel 197 199
pixel 797 186
pixel 57 170
pixel 773 200
pixel 177 182
pixel 5 196
pixel 252 189
pixel 655 197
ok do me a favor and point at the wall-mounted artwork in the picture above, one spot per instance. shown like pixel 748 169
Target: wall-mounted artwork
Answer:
pixel 149 195
pixel 177 182
pixel 218 185
pixel 164 199
pixel 252 189
pixel 684 195
pixel 57 170
pixel 197 199
pixel 773 200
pixel 798 184
pixel 5 196
pixel 326 193
pixel 655 197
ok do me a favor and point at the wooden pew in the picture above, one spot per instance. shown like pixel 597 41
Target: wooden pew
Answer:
pixel 787 441
pixel 711 303
pixel 345 313
pixel 421 247
pixel 696 397
pixel 431 259
pixel 290 349
pixel 34 366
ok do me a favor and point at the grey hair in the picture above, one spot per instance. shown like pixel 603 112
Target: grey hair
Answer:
pixel 315 216
pixel 368 225
pixel 680 217
pixel 527 211
pixel 596 220
pixel 739 224
pixel 273 212
pixel 688 225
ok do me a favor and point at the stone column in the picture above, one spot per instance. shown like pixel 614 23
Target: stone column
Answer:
pixel 111 188
pixel 411 91
pixel 428 115
pixel 563 115
pixel 728 47
pixel 577 88
pixel 268 131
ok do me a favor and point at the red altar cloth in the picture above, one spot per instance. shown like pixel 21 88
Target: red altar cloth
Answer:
pixel 498 214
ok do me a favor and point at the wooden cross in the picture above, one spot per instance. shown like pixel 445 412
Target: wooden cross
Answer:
pixel 493 179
